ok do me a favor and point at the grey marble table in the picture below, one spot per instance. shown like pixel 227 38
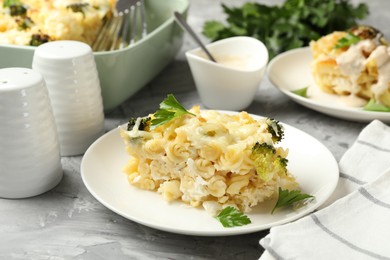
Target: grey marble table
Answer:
pixel 69 223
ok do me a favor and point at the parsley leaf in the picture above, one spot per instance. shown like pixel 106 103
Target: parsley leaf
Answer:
pixel 232 217
pixel 170 108
pixel 347 41
pixel 301 92
pixel 8 3
pixel 373 106
pixel 287 197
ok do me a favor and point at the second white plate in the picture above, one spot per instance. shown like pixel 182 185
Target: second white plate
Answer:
pixel 310 161
pixel 291 70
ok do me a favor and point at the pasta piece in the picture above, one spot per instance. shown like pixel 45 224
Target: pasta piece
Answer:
pixel 211 151
pixel 236 183
pixel 132 165
pixel 217 186
pixel 170 190
pixel 177 151
pixel 154 148
pixel 204 168
pixel 232 158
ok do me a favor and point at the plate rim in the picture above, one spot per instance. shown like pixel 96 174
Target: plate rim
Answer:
pixel 224 232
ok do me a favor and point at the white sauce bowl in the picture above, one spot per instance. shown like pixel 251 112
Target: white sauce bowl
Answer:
pixel 232 82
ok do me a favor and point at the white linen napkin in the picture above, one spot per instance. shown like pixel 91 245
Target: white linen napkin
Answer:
pixel 356 226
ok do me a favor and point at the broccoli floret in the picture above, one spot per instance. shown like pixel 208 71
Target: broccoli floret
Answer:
pixel 24 23
pixel 267 161
pixel 275 129
pixel 77 7
pixel 16 10
pixel 38 39
pixel 16 7
pixel 144 124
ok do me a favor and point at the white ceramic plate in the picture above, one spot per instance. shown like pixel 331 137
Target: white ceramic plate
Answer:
pixel 291 70
pixel 101 169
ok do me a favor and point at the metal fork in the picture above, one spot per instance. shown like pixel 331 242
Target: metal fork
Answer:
pixel 120 28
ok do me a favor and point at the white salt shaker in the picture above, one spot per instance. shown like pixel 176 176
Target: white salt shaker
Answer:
pixel 69 70
pixel 29 149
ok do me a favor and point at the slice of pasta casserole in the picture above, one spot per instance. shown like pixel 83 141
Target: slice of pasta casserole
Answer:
pixel 208 158
pixel 353 64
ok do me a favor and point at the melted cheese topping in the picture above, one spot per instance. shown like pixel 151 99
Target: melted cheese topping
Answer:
pixel 54 19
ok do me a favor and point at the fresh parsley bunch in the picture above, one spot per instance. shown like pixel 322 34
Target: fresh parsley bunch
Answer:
pixel 291 25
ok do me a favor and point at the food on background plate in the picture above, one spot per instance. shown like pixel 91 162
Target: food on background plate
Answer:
pixel 353 64
pixel 207 158
pixel 33 22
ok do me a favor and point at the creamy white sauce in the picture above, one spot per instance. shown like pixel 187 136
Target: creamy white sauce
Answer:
pixel 353 101
pixel 352 62
pixel 381 55
pixel 231 61
pixel 235 62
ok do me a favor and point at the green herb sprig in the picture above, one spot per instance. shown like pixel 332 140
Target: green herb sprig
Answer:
pixel 170 108
pixel 289 197
pixel 232 217
pixel 348 40
pixel 374 106
pixel 8 3
pixel 290 25
pixel 301 92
